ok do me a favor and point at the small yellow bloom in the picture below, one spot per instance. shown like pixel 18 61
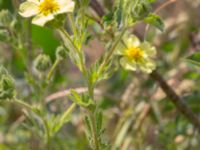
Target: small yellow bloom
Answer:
pixel 136 55
pixel 45 10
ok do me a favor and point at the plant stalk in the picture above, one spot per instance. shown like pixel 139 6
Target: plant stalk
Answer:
pixel 52 69
pixel 84 70
pixel 94 129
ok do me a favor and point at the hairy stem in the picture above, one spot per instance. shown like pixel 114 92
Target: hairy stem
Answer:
pixel 67 36
pixel 23 104
pixel 52 69
pixel 68 112
pixel 90 87
pixel 94 130
pixel 47 132
pixel 110 53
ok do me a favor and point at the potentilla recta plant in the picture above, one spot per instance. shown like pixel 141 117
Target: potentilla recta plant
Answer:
pixel 71 19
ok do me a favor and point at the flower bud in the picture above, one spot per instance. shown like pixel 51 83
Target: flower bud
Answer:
pixel 42 63
pixel 61 53
pixel 141 11
pixel 3 72
pixel 5 18
pixel 7 86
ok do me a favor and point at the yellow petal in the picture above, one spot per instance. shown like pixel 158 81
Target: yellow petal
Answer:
pixel 148 66
pixel 41 20
pixel 148 49
pixel 28 9
pixel 127 64
pixel 132 40
pixel 34 1
pixel 66 6
pixel 120 49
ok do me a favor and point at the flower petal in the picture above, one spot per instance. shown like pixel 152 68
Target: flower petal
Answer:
pixel 132 40
pixel 34 1
pixel 148 66
pixel 120 49
pixel 28 9
pixel 41 20
pixel 66 6
pixel 148 49
pixel 127 64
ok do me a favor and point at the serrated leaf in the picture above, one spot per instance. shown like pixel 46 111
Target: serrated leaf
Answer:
pixel 81 100
pixel 155 20
pixel 66 115
pixel 88 126
pixel 108 18
pixel 195 59
pixel 99 122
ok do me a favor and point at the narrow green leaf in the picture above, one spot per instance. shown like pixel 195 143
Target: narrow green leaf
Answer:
pixel 155 20
pixel 99 122
pixel 194 58
pixel 66 115
pixel 82 100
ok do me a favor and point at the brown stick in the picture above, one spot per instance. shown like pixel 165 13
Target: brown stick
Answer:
pixel 97 8
pixel 174 98
pixel 171 94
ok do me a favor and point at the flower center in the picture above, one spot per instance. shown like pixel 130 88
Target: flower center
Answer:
pixel 134 53
pixel 48 7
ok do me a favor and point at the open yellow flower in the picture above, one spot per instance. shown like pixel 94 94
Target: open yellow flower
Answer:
pixel 136 55
pixel 45 10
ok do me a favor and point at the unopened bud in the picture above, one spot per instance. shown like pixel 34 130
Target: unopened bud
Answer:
pixel 7 86
pixel 42 63
pixel 5 18
pixel 3 71
pixel 61 53
pixel 141 11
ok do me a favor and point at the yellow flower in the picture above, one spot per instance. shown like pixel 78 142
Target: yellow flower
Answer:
pixel 136 55
pixel 45 10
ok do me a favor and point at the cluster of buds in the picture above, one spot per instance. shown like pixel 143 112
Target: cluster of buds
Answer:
pixel 7 86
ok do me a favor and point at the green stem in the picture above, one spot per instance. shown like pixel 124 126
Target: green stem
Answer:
pixel 47 134
pixel 90 87
pixel 94 129
pixel 52 69
pixel 62 30
pixel 69 110
pixel 106 60
pixel 23 104
pixel 84 70
pixel 72 24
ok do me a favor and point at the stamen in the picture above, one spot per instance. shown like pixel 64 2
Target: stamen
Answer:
pixel 134 53
pixel 48 7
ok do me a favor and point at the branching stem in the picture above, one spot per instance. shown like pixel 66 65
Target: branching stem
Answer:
pixel 171 94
